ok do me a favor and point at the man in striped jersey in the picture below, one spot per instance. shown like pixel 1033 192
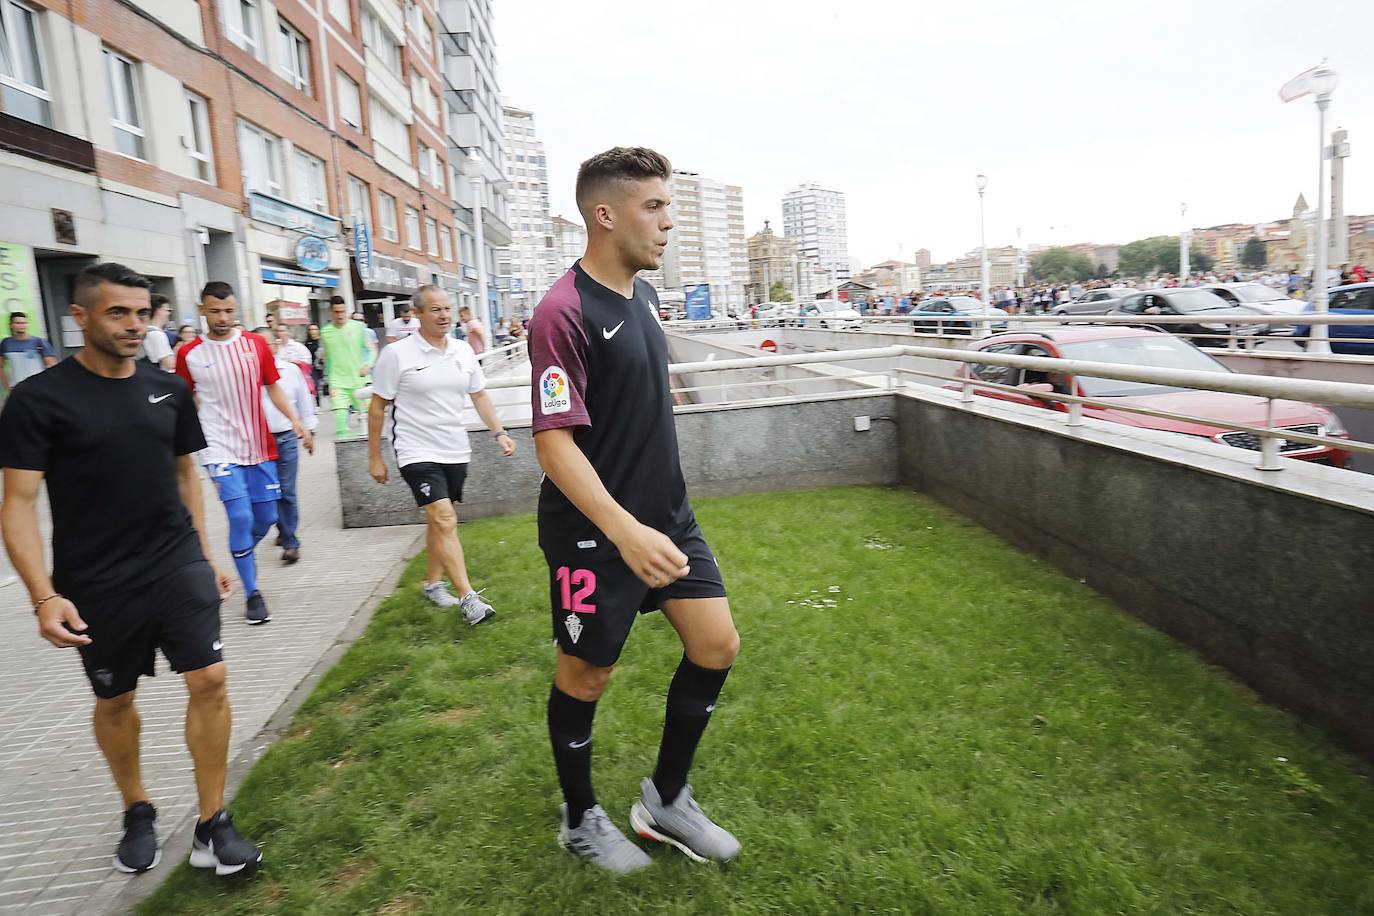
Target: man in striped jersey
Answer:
pixel 228 369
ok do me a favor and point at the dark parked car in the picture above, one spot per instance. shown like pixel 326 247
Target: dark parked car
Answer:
pixel 1194 303
pixel 1093 302
pixel 1265 299
pixel 1355 299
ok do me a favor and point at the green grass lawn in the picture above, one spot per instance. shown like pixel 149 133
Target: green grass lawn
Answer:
pixel 922 720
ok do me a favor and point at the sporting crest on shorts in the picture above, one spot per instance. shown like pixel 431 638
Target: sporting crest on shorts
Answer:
pixel 424 488
pixel 574 627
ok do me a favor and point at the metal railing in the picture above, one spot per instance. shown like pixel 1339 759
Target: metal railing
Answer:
pixel 892 377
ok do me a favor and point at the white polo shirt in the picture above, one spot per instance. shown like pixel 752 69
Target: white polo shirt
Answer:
pixel 400 328
pixel 429 389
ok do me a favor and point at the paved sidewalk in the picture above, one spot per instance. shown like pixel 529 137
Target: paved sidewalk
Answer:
pixel 60 815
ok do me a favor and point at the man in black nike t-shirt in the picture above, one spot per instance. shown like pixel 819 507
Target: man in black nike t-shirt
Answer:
pixel 614 522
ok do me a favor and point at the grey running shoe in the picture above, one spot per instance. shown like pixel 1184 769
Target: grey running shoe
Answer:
pixel 682 825
pixel 600 842
pixel 138 850
pixel 257 612
pixel 438 595
pixel 476 610
pixel 216 844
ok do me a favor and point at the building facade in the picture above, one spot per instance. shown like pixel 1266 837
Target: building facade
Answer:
pixel 295 151
pixel 772 259
pixel 532 261
pixel 570 241
pixel 707 243
pixel 814 218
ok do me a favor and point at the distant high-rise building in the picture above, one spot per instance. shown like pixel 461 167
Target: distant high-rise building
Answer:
pixel 570 241
pixel 531 262
pixel 707 242
pixel 814 218
pixel 772 259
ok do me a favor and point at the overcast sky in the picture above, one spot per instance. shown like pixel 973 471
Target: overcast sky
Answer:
pixel 1093 121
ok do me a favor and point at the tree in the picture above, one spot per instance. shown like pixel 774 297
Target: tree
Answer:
pixel 1197 261
pixel 1060 265
pixel 1145 256
pixel 1254 255
pixel 778 292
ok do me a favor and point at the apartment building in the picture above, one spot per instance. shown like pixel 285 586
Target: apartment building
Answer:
pixel 531 263
pixel 707 244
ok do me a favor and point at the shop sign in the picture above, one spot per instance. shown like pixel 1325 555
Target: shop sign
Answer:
pixel 298 278
pixel 362 245
pixel 312 254
pixel 283 213
pixel 392 276
pixel 17 291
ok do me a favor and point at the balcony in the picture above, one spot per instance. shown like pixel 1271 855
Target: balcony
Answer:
pixel 38 142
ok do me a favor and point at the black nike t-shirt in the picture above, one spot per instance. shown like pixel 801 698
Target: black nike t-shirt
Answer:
pixel 107 449
pixel 599 364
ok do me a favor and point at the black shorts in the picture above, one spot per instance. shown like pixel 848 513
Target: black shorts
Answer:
pixel 178 613
pixel 595 600
pixel 431 481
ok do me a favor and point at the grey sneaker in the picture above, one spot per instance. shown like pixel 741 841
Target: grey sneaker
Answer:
pixel 438 595
pixel 476 610
pixel 682 825
pixel 600 842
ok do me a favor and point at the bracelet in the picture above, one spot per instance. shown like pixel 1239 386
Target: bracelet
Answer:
pixel 49 598
pixel 500 434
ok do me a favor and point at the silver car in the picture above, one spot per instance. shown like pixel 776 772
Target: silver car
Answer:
pixel 1093 302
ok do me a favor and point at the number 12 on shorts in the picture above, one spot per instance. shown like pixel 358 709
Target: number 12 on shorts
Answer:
pixel 584 580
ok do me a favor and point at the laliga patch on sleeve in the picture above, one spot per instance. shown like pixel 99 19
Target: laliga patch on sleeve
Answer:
pixel 555 395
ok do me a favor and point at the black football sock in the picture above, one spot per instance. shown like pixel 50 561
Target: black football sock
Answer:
pixel 691 698
pixel 570 732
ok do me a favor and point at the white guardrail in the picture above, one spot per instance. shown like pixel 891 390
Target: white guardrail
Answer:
pixel 1326 393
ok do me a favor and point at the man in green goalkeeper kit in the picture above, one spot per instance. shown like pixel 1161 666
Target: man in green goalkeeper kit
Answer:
pixel 347 359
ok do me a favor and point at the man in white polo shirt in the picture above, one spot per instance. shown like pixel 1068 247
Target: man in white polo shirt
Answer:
pixel 427 379
pixel 404 324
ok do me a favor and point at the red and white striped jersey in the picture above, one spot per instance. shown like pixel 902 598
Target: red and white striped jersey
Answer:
pixel 227 378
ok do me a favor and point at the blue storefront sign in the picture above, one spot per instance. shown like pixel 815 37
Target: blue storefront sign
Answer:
pixel 283 213
pixel 517 285
pixel 699 302
pixel 297 278
pixel 362 247
pixel 312 254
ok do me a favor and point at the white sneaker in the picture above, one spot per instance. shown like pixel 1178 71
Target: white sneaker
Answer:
pixel 475 609
pixel 439 595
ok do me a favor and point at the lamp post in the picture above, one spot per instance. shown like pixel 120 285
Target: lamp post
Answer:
pixel 1183 267
pixel 982 182
pixel 1321 82
pixel 472 170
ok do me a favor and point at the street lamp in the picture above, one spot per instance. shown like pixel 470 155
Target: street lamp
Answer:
pixel 472 171
pixel 1321 82
pixel 982 182
pixel 1183 267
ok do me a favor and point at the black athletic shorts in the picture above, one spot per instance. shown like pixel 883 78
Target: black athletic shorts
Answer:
pixel 431 481
pixel 595 600
pixel 178 613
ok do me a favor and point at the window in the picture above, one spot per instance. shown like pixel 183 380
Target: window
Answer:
pixel 388 129
pixel 243 21
pixel 377 39
pixel 445 243
pixel 432 236
pixel 22 87
pixel 294 54
pixel 412 228
pixel 340 10
pixel 309 183
pixel 431 168
pixel 357 200
pixel 422 97
pixel 386 206
pixel 350 99
pixel 197 139
pixel 260 155
pixel 122 76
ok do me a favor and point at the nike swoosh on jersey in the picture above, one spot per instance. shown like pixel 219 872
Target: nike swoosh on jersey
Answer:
pixel 159 399
pixel 608 333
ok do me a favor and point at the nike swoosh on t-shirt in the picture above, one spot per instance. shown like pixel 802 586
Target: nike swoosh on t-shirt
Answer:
pixel 608 333
pixel 159 398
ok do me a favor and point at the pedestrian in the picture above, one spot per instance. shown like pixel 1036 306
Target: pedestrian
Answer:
pixel 474 332
pixel 293 377
pixel 290 349
pixel 114 441
pixel 156 349
pixel 312 344
pixel 404 324
pixel 374 347
pixel 228 370
pixel 185 334
pixel 347 360
pixel 614 522
pixel 21 355
pixel 428 380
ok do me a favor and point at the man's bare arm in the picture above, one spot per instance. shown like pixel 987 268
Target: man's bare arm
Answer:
pixel 376 416
pixel 481 402
pixel 58 620
pixel 650 554
pixel 282 401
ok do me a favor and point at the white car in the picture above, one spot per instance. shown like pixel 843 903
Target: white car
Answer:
pixel 832 317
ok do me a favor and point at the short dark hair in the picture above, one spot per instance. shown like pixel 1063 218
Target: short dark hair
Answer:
pixel 87 290
pixel 158 301
pixel 261 329
pixel 337 300
pixel 14 315
pixel 217 289
pixel 621 163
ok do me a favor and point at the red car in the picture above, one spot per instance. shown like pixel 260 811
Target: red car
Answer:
pixel 1141 347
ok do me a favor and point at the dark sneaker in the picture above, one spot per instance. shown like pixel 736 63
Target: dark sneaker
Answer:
pixel 217 845
pixel 280 540
pixel 600 842
pixel 257 610
pixel 681 825
pixel 291 555
pixel 138 850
